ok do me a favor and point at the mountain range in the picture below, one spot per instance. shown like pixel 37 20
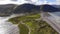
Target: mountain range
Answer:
pixel 26 8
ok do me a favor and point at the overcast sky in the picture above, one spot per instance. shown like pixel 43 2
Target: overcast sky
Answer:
pixel 37 2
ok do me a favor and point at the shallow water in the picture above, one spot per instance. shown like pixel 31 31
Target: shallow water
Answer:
pixel 7 27
pixel 56 13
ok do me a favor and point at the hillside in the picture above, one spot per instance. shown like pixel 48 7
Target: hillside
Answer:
pixel 6 9
pixel 27 8
pixel 24 8
pixel 50 8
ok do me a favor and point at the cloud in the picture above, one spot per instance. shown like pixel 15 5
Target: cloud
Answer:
pixel 36 2
pixel 58 2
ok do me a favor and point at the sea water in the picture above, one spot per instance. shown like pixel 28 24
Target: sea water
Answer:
pixel 7 27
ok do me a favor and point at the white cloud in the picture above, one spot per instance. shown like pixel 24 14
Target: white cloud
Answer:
pixel 36 2
pixel 58 2
pixel 12 2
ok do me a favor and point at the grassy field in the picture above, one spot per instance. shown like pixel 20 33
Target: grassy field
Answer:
pixel 36 26
pixel 23 29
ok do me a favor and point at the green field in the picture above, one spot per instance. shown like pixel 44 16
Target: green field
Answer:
pixel 36 26
pixel 23 29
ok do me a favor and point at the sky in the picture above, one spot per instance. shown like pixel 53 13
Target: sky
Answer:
pixel 36 2
pixel 51 0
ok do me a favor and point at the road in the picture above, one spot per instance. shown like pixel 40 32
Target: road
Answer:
pixel 26 26
pixel 52 22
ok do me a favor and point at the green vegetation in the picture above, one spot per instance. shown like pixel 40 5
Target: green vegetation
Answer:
pixel 23 29
pixel 36 26
pixel 14 20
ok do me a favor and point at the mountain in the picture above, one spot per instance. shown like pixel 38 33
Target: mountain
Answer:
pixel 57 6
pixel 27 8
pixel 50 8
pixel 6 9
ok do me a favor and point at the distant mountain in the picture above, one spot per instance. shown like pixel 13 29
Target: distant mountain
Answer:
pixel 50 8
pixel 30 8
pixel 27 8
pixel 23 8
pixel 57 6
pixel 6 9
